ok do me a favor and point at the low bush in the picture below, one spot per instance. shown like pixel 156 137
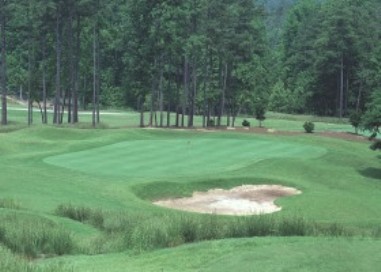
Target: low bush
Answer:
pixel 355 120
pixel 309 126
pixel 245 123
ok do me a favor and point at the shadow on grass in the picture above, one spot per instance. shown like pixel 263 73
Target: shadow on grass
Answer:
pixel 371 172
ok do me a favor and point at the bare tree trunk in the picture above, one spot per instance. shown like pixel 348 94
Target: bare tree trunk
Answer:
pixel 76 77
pixel 346 96
pixel 193 94
pixel 204 114
pixel 44 114
pixel 71 65
pixel 359 98
pixel 177 122
pixel 29 86
pixel 141 108
pixel 63 106
pixel 153 96
pixel 169 102
pixel 3 75
pixel 161 101
pixel 341 87
pixel 57 99
pixel 223 77
pixel 185 94
pixel 98 64
pixel 94 76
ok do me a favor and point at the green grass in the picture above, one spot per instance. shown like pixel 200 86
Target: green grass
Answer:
pixel 97 186
pixel 167 158
pixel 259 254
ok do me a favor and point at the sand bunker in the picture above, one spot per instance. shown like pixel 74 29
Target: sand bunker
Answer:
pixel 242 200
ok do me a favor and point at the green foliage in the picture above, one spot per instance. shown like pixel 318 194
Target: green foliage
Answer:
pixel 259 112
pixel 280 99
pixel 309 126
pixel 371 120
pixel 245 123
pixel 355 120
pixel 376 145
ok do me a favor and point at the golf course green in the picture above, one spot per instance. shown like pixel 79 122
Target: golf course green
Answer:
pixel 79 199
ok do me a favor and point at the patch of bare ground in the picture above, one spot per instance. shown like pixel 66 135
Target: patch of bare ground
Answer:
pixel 262 130
pixel 242 200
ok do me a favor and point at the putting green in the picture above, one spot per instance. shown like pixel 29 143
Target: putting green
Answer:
pixel 171 158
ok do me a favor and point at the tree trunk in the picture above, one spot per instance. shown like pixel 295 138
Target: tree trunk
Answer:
pixel 44 113
pixel 3 75
pixel 341 87
pixel 169 102
pixel 204 114
pixel 141 108
pixel 29 85
pixel 185 94
pixel 153 96
pixel 76 77
pixel 223 76
pixel 98 78
pixel 359 98
pixel 63 106
pixel 161 108
pixel 94 76
pixel 57 99
pixel 193 94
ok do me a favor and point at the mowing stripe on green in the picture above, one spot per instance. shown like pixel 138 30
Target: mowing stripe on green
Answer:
pixel 171 158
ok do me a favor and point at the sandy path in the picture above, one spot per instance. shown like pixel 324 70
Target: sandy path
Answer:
pixel 242 200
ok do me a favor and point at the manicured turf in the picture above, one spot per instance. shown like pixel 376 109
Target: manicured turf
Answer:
pixel 166 158
pixel 120 170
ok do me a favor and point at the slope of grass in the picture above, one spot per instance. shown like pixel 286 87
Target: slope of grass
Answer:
pixel 259 254
pixel 119 171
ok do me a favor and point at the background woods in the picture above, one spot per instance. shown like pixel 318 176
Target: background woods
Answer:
pixel 211 58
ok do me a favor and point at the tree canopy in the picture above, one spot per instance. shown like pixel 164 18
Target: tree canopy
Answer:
pixel 210 58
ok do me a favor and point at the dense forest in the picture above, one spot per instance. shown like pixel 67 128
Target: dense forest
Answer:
pixel 215 58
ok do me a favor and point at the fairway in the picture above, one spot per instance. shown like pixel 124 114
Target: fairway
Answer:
pixel 171 158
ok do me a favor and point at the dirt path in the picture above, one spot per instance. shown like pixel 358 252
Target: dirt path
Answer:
pixel 242 200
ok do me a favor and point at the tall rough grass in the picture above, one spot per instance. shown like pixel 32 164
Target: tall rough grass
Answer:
pixel 33 236
pixel 82 214
pixel 8 203
pixel 141 232
pixel 11 263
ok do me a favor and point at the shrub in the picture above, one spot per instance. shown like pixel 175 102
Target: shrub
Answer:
pixel 260 111
pixel 211 123
pixel 245 123
pixel 355 120
pixel 309 126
